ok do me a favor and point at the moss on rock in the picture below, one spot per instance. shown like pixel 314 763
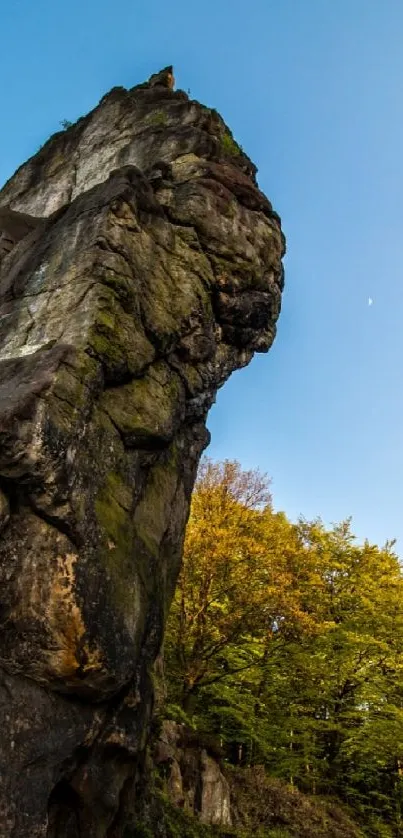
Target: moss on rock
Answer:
pixel 116 341
pixel 113 514
pixel 148 410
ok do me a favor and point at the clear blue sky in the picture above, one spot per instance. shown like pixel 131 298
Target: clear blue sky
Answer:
pixel 313 90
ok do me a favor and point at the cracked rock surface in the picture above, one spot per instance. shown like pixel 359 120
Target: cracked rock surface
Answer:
pixel 139 266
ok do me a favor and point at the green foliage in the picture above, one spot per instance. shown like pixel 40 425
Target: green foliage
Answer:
pixel 286 642
pixel 139 831
pixel 179 823
pixel 229 145
pixel 263 806
pixel 65 123
pixel 158 118
pixel 169 821
pixel 177 714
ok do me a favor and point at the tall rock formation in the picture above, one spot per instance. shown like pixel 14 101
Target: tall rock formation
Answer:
pixel 139 266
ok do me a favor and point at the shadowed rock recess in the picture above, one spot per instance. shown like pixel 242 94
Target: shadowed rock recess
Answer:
pixel 139 266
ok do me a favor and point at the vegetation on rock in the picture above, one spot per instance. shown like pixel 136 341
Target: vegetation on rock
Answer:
pixel 229 145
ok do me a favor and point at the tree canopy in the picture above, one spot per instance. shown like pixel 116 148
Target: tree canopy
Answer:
pixel 285 641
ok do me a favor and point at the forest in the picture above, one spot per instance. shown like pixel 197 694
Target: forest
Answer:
pixel 285 644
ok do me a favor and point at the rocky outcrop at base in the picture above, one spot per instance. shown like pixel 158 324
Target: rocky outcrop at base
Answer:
pixel 188 790
pixel 139 266
pixel 193 778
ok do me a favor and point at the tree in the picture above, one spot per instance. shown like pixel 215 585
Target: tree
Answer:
pixel 236 602
pixel 229 590
pixel 286 641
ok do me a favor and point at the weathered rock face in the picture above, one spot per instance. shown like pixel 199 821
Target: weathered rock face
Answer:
pixel 140 266
pixel 181 790
pixel 193 777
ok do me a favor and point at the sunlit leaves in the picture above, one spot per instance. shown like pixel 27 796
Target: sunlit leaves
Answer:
pixel 286 641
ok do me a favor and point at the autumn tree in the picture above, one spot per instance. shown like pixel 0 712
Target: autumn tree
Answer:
pixel 236 601
pixel 286 642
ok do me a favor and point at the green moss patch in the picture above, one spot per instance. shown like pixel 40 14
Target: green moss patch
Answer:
pixel 147 410
pixel 153 512
pixel 229 145
pixel 113 514
pixel 118 341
